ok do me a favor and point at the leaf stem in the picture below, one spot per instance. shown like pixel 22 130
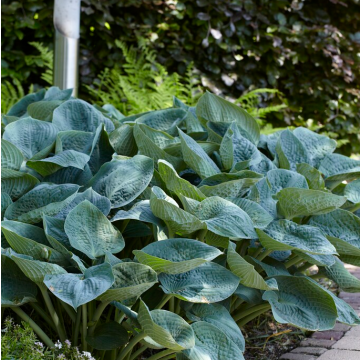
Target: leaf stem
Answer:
pixel 53 313
pixel 43 314
pixel 77 327
pixel 84 326
pixel 264 254
pixel 138 352
pixel 69 310
pixel 252 316
pixel 97 314
pixel 293 261
pixel 253 309
pixel 163 301
pixel 137 338
pixel 306 266
pixel 161 354
pixel 172 304
pixel 201 235
pixel 47 341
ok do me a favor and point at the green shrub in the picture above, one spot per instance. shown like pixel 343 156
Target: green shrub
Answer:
pixel 171 229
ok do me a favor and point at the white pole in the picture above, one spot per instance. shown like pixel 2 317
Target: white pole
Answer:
pixel 67 33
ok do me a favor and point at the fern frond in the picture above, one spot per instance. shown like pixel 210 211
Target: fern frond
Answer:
pixel 11 93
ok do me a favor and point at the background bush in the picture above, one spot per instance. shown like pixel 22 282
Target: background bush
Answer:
pixel 307 50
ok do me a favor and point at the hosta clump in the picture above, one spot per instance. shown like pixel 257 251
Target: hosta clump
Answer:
pixel 171 229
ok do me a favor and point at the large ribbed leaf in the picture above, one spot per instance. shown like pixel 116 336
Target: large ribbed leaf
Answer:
pixel 178 220
pixel 108 336
pixel 280 179
pixel 174 256
pixel 90 231
pixel 196 158
pixel 80 141
pixel 122 181
pixel 11 156
pixel 79 115
pixel 295 202
pixel 37 270
pixel 166 328
pixel 151 142
pixel 48 199
pixel 207 283
pixel 165 120
pixel 312 176
pixel 237 149
pixel 101 202
pixel 123 141
pixel 302 303
pixel 64 159
pixel 211 343
pixel 30 136
pixel 79 289
pixel 16 183
pixel 213 108
pixel 16 288
pixel 176 184
pixel 224 177
pixel 291 151
pixel 352 191
pixel 343 229
pixel 5 203
pixel 258 215
pixel 19 109
pixel 287 235
pixel 131 280
pixel 224 218
pixel 338 273
pixel 217 315
pixel 317 146
pixel 319 260
pixel 245 271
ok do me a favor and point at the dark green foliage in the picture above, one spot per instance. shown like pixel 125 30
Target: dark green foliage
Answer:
pixel 308 50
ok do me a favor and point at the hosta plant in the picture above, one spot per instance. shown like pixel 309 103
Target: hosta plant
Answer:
pixel 170 230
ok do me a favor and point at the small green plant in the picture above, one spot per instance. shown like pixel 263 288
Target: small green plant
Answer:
pixel 162 234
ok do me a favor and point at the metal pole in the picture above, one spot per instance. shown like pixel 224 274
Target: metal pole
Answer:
pixel 67 33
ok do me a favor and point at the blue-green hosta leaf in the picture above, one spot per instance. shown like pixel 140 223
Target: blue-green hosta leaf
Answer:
pixel 43 110
pixel 295 202
pixel 342 228
pixel 108 336
pixel 196 158
pixel 224 218
pixel 346 314
pixel 178 220
pixel 224 177
pixel 64 159
pixel 80 141
pixel 213 108
pixel 122 181
pixel 166 328
pixel 176 184
pixel 151 142
pixel 245 271
pixel 11 156
pixel 218 316
pixel 258 215
pixel 319 260
pixel 174 256
pixel 208 283
pixel 174 148
pixel 30 240
pixel 70 175
pixel 211 343
pixel 281 179
pixel 19 109
pixel 90 231
pixel 16 183
pixel 54 93
pixel 235 148
pixel 37 270
pixel 31 136
pixel 131 280
pixel 123 141
pixel 48 199
pixel 16 288
pixel 291 151
pixel 352 191
pixel 79 115
pixel 272 267
pixel 101 202
pixel 338 273
pixel 166 120
pixel 5 203
pixel 249 295
pixel 264 166
pixel 230 189
pixel 317 146
pixel 338 168
pixel 287 235
pixel 302 303
pixel 312 176
pixel 79 289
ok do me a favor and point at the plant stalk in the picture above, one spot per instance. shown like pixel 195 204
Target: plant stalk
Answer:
pixel 264 254
pixel 161 354
pixel 43 314
pixel 163 301
pixel 253 309
pixel 77 327
pixel 293 261
pixel 137 338
pixel 201 235
pixel 97 314
pixel 84 326
pixel 172 304
pixel 252 316
pixel 138 352
pixel 47 341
